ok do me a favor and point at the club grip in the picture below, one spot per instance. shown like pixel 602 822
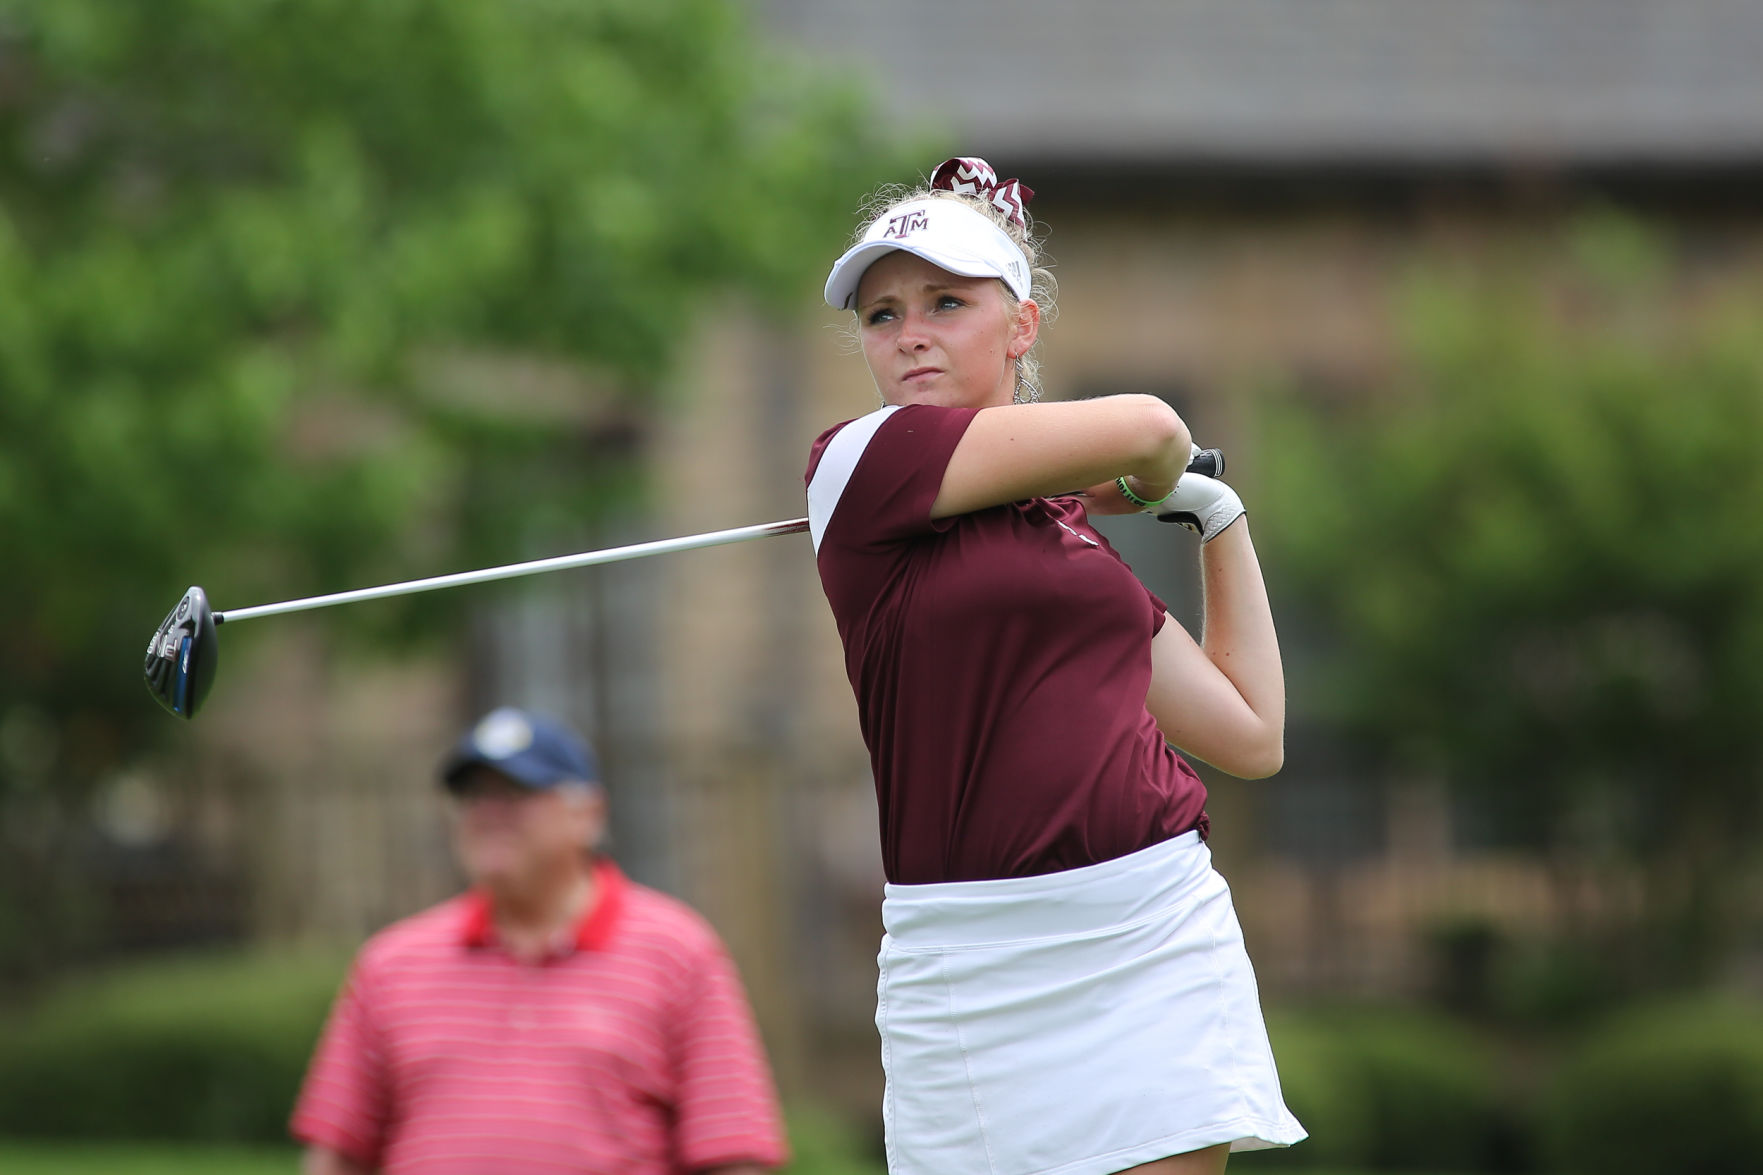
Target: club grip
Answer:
pixel 1208 462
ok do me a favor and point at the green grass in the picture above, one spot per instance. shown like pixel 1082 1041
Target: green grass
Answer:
pixel 17 1158
pixel 52 1158
pixel 823 1146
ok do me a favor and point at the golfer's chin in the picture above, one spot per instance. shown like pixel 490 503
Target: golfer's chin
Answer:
pixel 941 391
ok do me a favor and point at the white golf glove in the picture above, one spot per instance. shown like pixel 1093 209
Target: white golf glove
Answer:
pixel 1203 504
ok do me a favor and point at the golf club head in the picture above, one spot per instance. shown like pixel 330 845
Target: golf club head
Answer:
pixel 183 654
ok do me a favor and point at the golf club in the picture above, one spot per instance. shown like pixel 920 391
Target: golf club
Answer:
pixel 184 652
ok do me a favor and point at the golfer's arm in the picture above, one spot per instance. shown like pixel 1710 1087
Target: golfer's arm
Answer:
pixel 324 1161
pixel 1019 451
pixel 1224 700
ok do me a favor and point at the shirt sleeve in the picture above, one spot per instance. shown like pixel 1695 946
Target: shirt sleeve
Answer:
pixel 875 479
pixel 343 1103
pixel 1159 612
pixel 726 1110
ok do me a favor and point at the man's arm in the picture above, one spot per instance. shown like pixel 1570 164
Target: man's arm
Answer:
pixel 322 1160
pixel 342 1109
pixel 726 1116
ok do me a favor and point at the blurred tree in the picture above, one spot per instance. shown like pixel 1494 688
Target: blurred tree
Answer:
pixel 1538 563
pixel 239 239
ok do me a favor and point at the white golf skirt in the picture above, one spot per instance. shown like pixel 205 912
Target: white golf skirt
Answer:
pixel 1076 1023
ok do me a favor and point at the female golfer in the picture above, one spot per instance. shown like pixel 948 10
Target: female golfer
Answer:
pixel 1063 983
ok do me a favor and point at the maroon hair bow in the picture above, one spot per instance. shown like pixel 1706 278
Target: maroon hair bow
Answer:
pixel 974 177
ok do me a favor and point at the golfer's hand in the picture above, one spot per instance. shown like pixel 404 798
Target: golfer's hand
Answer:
pixel 1203 504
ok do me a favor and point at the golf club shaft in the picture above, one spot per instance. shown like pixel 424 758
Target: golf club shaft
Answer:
pixel 714 538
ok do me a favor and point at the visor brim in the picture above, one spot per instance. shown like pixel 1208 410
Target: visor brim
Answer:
pixel 847 272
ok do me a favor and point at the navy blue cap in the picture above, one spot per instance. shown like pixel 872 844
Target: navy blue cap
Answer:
pixel 526 747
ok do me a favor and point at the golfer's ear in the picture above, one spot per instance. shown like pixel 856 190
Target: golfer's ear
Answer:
pixel 1025 328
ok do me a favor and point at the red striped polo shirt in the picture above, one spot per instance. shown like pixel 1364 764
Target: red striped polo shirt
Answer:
pixel 629 1048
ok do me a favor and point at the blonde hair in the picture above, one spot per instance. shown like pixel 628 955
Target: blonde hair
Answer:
pixel 1043 288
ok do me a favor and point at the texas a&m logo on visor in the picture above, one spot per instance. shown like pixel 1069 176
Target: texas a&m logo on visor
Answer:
pixel 909 222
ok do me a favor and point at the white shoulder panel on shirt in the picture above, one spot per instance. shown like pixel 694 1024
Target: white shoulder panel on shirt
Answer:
pixel 837 461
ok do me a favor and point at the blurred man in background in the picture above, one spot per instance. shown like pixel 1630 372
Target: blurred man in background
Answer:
pixel 557 1017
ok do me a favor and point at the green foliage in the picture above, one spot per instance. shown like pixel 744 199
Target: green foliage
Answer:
pixel 210 1048
pixel 822 1143
pixel 1675 1088
pixel 1538 560
pixel 1386 1090
pixel 266 265
pixel 230 230
pixel 1555 985
pixel 1545 986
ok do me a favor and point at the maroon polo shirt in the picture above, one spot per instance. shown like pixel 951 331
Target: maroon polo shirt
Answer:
pixel 1000 661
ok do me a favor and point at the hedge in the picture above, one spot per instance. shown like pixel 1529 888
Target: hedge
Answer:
pixel 1674 1087
pixel 1387 1090
pixel 209 1048
pixel 212 1049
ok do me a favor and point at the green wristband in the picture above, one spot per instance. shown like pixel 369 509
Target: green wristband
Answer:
pixel 1126 492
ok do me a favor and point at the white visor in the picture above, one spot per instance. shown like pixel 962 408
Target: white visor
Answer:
pixel 946 233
